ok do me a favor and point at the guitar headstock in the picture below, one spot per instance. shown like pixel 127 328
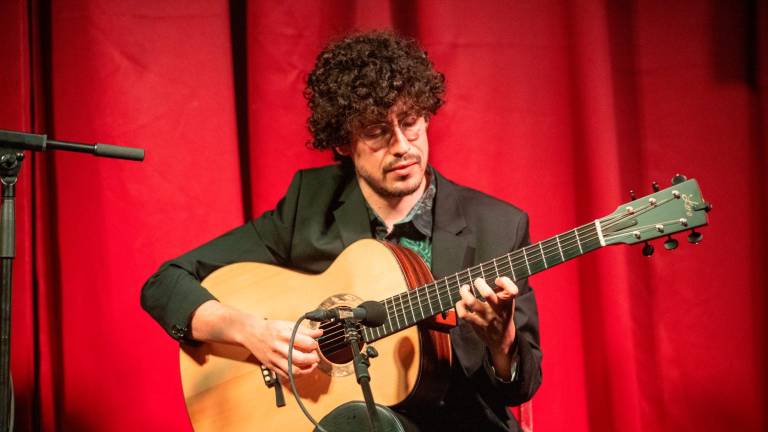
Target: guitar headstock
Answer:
pixel 677 208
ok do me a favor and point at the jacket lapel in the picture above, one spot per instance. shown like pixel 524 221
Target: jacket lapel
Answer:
pixel 351 215
pixel 452 241
pixel 453 250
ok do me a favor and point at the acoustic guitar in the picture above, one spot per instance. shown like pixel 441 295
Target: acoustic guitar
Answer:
pixel 226 389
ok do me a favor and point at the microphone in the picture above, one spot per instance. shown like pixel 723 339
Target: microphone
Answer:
pixel 37 142
pixel 369 313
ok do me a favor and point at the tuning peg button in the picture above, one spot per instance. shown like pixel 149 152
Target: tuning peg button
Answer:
pixel 695 237
pixel 647 249
pixel 678 178
pixel 655 187
pixel 670 243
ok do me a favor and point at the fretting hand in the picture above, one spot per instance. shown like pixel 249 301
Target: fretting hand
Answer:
pixel 493 319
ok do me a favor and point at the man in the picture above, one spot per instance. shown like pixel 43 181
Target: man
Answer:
pixel 372 96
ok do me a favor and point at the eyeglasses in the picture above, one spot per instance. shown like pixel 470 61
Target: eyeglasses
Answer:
pixel 379 135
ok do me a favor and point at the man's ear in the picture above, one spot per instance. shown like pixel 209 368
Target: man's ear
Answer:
pixel 343 150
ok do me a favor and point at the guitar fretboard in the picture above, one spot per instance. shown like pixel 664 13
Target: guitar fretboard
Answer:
pixel 408 308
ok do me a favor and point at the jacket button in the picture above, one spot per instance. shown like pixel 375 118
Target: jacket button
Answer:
pixel 177 331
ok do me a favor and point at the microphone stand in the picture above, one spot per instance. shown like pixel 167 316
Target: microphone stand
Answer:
pixel 11 145
pixel 10 165
pixel 347 417
pixel 361 364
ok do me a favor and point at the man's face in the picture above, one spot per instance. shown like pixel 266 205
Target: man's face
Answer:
pixel 391 157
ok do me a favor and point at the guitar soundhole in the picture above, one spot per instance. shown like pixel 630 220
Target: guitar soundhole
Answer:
pixel 333 344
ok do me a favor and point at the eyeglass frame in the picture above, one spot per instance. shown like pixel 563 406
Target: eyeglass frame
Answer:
pixel 379 140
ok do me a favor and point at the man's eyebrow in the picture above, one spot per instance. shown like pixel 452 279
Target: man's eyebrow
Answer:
pixel 407 114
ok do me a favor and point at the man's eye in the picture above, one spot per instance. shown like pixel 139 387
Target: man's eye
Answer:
pixel 409 121
pixel 374 131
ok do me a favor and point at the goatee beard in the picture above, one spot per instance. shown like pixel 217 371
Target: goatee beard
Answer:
pixel 381 189
pixel 385 192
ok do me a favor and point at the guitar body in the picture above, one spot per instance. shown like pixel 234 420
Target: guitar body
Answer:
pixel 224 387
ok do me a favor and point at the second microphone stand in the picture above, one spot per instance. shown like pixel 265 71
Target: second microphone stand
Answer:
pixel 345 417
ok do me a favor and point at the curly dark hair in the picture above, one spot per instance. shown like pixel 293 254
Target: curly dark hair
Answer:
pixel 358 79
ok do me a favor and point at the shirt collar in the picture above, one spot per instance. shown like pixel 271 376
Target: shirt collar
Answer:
pixel 420 216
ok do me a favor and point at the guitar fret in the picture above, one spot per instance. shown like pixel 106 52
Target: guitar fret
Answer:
pixel 396 315
pixel 496 269
pixel 471 283
pixel 389 317
pixel 543 258
pixel 395 323
pixel 525 257
pixel 578 242
pixel 557 237
pixel 511 267
pixel 418 302
pixel 439 299
pixel 458 281
pixel 410 306
pixel 430 308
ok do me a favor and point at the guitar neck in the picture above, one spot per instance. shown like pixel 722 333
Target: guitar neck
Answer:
pixel 408 308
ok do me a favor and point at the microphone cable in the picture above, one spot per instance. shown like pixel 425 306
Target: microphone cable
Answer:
pixel 292 380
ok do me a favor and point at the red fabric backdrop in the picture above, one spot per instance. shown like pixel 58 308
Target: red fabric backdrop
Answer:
pixel 559 107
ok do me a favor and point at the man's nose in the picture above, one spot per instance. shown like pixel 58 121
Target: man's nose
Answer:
pixel 399 144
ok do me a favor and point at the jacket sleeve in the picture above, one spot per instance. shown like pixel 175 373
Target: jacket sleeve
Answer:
pixel 175 291
pixel 528 369
pixel 528 375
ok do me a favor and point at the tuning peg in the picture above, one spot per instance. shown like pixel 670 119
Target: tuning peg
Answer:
pixel 695 237
pixel 647 249
pixel 632 195
pixel 670 243
pixel 655 186
pixel 707 207
pixel 678 178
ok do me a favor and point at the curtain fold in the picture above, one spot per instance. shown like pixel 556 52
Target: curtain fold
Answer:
pixel 559 107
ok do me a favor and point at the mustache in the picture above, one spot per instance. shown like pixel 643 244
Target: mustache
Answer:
pixel 405 160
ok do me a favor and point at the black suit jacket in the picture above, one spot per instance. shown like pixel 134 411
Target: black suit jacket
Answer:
pixel 322 213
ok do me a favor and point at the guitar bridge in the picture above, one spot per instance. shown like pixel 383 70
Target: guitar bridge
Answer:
pixel 270 380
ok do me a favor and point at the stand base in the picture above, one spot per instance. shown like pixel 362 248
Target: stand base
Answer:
pixel 353 417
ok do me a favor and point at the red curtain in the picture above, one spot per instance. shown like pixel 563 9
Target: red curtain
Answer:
pixel 559 107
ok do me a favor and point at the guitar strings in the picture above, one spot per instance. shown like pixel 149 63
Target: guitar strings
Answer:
pixel 479 270
pixel 432 290
pixel 545 248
